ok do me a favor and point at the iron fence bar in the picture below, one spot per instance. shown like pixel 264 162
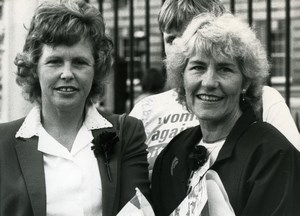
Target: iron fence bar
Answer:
pixel 232 6
pixel 131 51
pixel 162 41
pixel 100 3
pixel 268 35
pixel 287 52
pixel 147 33
pixel 250 12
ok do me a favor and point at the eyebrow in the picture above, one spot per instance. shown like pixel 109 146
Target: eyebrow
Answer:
pixel 74 57
pixel 218 63
pixel 197 62
pixel 226 64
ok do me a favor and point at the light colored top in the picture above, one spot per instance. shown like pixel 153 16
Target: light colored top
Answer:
pixel 73 183
pixel 213 150
pixel 199 188
pixel 277 113
pixel 163 118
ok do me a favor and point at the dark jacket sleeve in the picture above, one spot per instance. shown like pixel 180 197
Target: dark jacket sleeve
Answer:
pixel 275 179
pixel 275 186
pixel 134 165
pixel 14 199
pixel 262 175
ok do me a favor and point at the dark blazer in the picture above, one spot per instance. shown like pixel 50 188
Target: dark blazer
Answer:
pixel 258 166
pixel 22 181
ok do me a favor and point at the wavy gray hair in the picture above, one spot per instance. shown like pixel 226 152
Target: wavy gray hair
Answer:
pixel 217 36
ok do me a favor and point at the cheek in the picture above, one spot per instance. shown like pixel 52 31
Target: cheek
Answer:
pixel 190 85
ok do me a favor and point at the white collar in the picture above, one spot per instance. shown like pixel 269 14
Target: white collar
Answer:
pixel 32 123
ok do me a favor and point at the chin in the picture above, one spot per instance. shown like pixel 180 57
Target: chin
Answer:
pixel 207 116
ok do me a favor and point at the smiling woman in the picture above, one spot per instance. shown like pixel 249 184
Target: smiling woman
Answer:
pixel 66 76
pixel 218 67
pixel 50 162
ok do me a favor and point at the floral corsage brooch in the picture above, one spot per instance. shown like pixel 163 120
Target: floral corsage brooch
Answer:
pixel 197 157
pixel 104 145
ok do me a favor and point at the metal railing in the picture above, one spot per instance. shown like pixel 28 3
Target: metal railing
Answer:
pixel 119 106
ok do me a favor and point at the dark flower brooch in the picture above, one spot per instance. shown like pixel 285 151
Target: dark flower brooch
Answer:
pixel 197 157
pixel 104 145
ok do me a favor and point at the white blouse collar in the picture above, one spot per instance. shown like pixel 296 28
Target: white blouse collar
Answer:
pixel 32 123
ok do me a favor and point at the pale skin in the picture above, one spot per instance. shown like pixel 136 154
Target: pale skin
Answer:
pixel 213 88
pixel 66 75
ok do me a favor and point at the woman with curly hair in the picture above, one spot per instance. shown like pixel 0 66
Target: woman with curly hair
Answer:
pixel 231 161
pixel 66 157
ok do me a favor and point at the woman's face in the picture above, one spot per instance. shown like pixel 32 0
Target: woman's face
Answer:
pixel 213 87
pixel 66 75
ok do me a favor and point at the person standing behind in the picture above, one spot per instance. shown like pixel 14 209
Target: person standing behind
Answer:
pixel 65 157
pixel 163 117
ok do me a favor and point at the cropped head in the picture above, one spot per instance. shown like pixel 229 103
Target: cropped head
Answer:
pixel 218 38
pixel 175 15
pixel 64 24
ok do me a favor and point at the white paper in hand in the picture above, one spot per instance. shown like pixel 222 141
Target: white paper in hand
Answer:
pixel 208 197
pixel 137 206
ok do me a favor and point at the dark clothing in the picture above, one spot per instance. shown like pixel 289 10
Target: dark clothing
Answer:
pixel 22 180
pixel 259 168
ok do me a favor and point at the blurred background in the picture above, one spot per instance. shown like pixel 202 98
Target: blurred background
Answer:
pixel 138 46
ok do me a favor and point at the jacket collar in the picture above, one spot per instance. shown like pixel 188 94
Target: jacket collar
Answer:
pixel 32 166
pixel 32 123
pixel 109 188
pixel 247 119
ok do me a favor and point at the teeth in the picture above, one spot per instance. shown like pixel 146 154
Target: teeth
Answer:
pixel 209 98
pixel 66 89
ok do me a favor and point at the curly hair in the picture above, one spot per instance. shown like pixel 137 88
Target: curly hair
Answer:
pixel 217 37
pixel 64 24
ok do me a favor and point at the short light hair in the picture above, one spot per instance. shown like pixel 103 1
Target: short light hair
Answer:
pixel 174 15
pixel 222 36
pixel 64 23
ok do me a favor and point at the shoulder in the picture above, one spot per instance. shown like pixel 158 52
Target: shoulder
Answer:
pixel 271 96
pixel 277 113
pixel 8 131
pixel 12 126
pixel 183 142
pixel 265 136
pixel 159 100
pixel 158 105
pixel 116 119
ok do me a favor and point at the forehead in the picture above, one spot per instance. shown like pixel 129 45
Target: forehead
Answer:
pixel 81 49
pixel 82 46
pixel 172 33
pixel 207 57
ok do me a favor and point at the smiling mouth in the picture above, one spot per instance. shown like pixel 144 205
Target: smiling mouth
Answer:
pixel 209 98
pixel 66 89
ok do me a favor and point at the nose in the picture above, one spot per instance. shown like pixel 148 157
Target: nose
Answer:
pixel 67 73
pixel 209 78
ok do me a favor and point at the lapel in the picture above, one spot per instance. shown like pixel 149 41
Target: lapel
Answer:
pixel 32 166
pixel 109 188
pixel 246 120
pixel 183 147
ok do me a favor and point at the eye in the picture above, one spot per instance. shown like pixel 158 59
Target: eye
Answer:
pixel 54 61
pixel 198 68
pixel 225 69
pixel 80 62
pixel 169 39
